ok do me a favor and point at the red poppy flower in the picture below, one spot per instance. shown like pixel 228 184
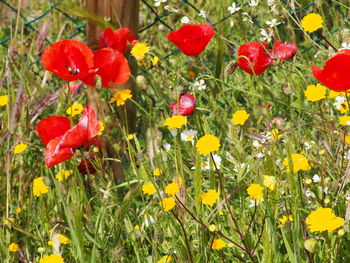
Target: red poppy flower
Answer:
pixel 254 58
pixel 85 166
pixel 192 39
pixel 68 59
pixel 284 51
pixel 336 72
pixel 52 127
pixel 184 106
pixel 111 66
pixel 118 39
pixel 61 148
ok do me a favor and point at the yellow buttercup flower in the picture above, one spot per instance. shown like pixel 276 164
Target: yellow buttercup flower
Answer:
pixel 240 117
pixel 53 258
pixel 157 172
pixel 13 247
pixel 212 228
pixel 255 191
pixel 149 189
pixel 344 120
pixel 165 259
pixel 270 182
pixel 347 139
pixel 139 50
pixel 19 148
pixel 333 94
pixel 218 244
pixel 121 96
pixel 130 136
pixel 18 210
pixel 300 162
pixel 39 187
pixel 210 197
pixel 168 203
pixel 207 144
pixel 312 22
pixel 323 219
pixel 61 238
pixel 284 219
pixel 175 122
pixel 155 61
pixel 64 174
pixel 315 92
pixel 172 189
pixel 4 100
pixel 102 127
pixel 75 109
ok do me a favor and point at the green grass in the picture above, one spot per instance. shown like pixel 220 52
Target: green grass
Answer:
pixel 99 213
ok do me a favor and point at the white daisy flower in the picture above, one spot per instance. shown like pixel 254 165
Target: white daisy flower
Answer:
pixel 203 14
pixel 158 2
pixel 217 161
pixel 316 178
pixel 265 36
pixel 253 3
pixel 188 136
pixel 272 23
pixel 200 84
pixel 233 8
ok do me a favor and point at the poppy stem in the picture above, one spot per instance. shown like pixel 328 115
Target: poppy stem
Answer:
pixel 328 42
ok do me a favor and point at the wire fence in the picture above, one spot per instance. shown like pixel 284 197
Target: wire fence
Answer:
pixel 78 25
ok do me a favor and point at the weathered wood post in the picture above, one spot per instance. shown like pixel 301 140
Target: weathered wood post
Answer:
pixel 122 13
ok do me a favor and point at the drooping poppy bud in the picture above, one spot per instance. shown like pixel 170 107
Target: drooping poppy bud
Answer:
pixel 52 127
pixel 284 51
pixel 111 66
pixel 192 39
pixel 85 166
pixel 336 72
pixel 184 106
pixel 119 39
pixel 254 58
pixel 68 59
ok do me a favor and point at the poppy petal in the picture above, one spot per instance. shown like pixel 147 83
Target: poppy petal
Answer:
pixel 192 39
pixel 68 59
pixel 284 51
pixel 335 74
pixel 52 127
pixel 254 58
pixel 118 39
pixel 55 154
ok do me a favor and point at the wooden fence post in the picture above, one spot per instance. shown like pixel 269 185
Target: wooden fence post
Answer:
pixel 122 13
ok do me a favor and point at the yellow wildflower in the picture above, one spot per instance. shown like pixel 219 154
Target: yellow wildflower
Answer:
pixel 75 109
pixel 344 120
pixel 312 22
pixel 308 181
pixel 175 122
pixel 207 144
pixel 323 219
pixel 341 232
pixel 121 96
pixel 172 189
pixel 157 172
pixel 18 210
pixel 212 228
pixel 155 61
pixel 20 148
pixel 270 182
pixel 275 135
pixel 3 100
pixel 240 117
pixel 347 139
pixel 139 50
pixel 53 258
pixel 39 187
pixel 218 244
pixel 64 174
pixel 149 189
pixel 315 92
pixel 210 197
pixel 61 238
pixel 130 136
pixel 255 191
pixel 333 94
pixel 165 259
pixel 102 127
pixel 13 247
pixel 300 162
pixel 168 203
